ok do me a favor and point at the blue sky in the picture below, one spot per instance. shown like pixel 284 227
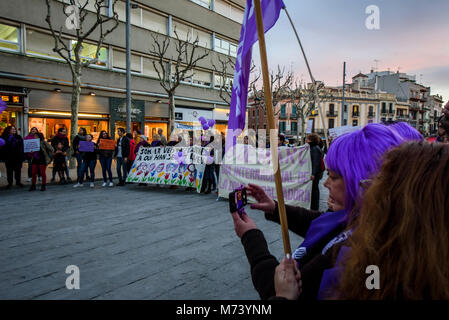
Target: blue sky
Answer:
pixel 413 36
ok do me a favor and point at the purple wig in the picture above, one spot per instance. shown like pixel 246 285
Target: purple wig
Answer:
pixel 407 132
pixel 358 155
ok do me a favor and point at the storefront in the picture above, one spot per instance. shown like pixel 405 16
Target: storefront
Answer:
pixel 156 117
pixel 118 115
pixel 13 115
pixel 221 116
pixel 51 110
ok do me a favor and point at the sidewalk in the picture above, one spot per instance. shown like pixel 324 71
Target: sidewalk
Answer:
pixel 98 173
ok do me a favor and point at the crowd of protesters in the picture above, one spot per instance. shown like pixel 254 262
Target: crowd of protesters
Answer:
pixel 387 207
pixel 57 151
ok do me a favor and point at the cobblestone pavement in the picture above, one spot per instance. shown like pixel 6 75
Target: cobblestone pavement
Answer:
pixel 132 242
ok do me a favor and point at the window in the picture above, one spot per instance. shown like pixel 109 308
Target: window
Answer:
pixel 331 108
pixel 9 38
pixel 294 111
pixel 203 3
pixel 294 128
pixel 218 82
pixel 190 34
pixel 148 68
pixel 282 127
pixel 345 122
pixel 346 108
pixel 391 108
pixel 202 78
pixel 283 110
pixel 154 21
pixel 226 47
pixel 119 61
pixel 88 52
pixel 41 44
pixel 384 107
pixel 226 9
pixel 355 123
pixel 331 123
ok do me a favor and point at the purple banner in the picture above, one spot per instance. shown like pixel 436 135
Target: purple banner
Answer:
pixel 86 146
pixel 248 36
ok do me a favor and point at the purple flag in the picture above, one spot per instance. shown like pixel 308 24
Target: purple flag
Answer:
pixel 248 36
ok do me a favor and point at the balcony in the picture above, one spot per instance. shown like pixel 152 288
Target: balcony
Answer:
pixel 414 106
pixel 356 114
pixel 331 114
pixel 371 115
pixel 283 116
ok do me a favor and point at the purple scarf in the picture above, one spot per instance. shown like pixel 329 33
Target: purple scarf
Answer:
pixel 319 228
pixel 331 276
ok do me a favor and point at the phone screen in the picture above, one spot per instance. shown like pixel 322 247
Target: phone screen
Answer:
pixel 237 199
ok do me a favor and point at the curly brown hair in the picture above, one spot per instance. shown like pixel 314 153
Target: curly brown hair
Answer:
pixel 403 228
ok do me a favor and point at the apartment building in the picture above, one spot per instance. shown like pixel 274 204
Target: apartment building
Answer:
pixel 36 83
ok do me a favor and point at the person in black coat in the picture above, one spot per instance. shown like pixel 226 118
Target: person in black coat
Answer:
pixel 316 155
pixel 13 155
pixel 121 152
pixel 61 137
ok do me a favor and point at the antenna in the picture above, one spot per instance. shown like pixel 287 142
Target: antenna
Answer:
pixel 377 62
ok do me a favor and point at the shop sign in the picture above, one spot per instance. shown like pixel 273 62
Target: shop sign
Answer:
pixel 15 100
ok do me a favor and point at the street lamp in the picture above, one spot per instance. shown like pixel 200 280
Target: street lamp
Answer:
pixel 129 6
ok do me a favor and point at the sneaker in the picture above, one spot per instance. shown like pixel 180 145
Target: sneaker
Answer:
pixel 78 185
pixel 29 180
pixel 40 178
pixel 104 184
pixel 111 184
pixel 92 185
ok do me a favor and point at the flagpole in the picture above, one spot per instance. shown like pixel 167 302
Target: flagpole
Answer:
pixel 317 98
pixel 272 127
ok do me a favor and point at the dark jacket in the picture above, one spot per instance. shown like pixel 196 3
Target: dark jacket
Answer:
pixel 104 153
pixel 313 264
pixel 315 155
pixel 60 138
pixel 125 147
pixel 12 150
pixel 89 156
pixel 76 143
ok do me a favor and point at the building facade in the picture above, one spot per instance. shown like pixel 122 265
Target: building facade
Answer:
pixel 36 83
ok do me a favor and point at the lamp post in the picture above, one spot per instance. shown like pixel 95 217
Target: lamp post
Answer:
pixel 129 6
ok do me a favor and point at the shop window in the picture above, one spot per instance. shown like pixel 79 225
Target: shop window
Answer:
pixel 7 118
pixel 88 52
pixel 151 129
pixel 41 44
pixel 9 38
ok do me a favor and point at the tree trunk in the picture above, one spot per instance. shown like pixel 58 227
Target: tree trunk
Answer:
pixel 303 123
pixel 171 110
pixel 76 92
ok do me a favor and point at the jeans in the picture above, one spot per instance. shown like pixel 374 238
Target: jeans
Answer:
pixel 79 163
pixel 106 163
pixel 121 166
pixel 88 164
pixel 315 203
pixel 209 178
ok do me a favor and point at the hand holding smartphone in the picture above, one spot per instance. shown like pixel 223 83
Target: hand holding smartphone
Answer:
pixel 238 200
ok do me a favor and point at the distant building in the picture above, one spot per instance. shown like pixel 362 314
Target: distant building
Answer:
pixel 36 83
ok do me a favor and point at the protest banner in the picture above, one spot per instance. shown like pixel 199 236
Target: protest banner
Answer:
pixel 296 169
pixel 165 165
pixel 31 145
pixel 86 146
pixel 106 144
pixel 336 132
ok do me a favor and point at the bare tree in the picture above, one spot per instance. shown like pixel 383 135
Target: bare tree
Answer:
pixel 76 11
pixel 226 66
pixel 304 100
pixel 184 61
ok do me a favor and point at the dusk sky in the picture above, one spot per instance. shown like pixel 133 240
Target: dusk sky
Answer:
pixel 413 36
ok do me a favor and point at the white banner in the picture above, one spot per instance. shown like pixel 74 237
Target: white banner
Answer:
pixel 31 145
pixel 296 169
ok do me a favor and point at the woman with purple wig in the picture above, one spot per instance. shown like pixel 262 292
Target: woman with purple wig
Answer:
pixel 407 131
pixel 351 160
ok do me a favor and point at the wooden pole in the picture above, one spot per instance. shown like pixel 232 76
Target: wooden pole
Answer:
pixel 272 127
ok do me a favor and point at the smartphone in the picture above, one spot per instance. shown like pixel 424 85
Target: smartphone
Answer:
pixel 237 199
